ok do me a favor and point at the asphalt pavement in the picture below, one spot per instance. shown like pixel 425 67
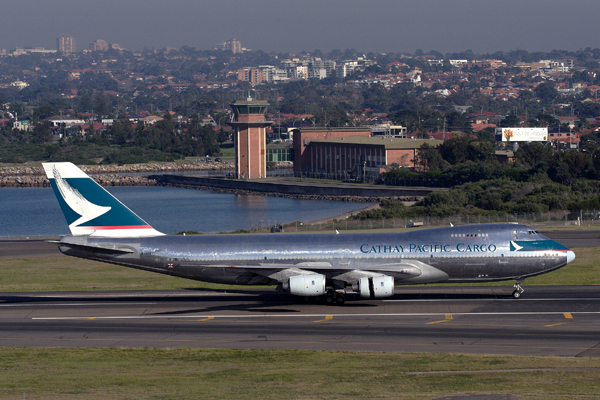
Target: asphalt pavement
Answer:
pixel 551 320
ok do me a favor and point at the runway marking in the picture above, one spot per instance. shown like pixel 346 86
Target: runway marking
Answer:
pixel 246 316
pixel 327 318
pixel 206 319
pixel 448 318
pixel 29 304
pixel 73 304
pixel 560 323
pixel 490 299
pixel 568 315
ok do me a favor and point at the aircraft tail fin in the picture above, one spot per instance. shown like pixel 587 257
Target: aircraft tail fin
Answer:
pixel 89 209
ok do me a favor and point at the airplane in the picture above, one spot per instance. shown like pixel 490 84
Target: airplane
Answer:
pixel 324 266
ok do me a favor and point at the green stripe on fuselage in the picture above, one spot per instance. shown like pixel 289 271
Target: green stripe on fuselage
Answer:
pixel 537 245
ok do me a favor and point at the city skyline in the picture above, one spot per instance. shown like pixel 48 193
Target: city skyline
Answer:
pixel 385 25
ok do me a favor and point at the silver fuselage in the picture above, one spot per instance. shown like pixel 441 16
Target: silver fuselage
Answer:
pixel 468 253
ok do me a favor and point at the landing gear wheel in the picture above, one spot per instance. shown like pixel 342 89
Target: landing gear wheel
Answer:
pixel 340 299
pixel 518 289
pixel 329 300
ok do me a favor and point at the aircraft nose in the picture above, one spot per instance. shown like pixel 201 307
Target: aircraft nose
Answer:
pixel 570 256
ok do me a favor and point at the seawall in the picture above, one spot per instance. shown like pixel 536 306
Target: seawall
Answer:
pixel 296 189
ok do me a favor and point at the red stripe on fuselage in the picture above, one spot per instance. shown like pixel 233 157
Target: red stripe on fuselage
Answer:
pixel 98 228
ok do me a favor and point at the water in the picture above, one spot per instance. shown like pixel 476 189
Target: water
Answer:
pixel 35 211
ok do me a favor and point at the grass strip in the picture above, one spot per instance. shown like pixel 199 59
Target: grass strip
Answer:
pixel 110 373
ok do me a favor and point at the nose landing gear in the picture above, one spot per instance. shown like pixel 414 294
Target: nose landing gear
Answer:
pixel 518 289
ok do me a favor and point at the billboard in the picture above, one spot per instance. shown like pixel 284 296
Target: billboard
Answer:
pixel 522 134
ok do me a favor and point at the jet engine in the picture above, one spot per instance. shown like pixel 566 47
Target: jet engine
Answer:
pixel 377 286
pixel 307 285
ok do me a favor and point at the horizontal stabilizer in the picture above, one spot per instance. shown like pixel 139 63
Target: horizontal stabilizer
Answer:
pixel 106 248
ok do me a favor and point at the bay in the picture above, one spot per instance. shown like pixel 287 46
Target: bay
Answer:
pixel 34 212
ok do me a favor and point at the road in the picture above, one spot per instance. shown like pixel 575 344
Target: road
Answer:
pixel 557 321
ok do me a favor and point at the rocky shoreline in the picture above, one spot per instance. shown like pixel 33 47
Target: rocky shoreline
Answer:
pixel 355 199
pixel 112 175
pixel 118 175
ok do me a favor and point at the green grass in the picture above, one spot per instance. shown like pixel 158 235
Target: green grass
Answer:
pixel 62 273
pixel 227 151
pixel 109 373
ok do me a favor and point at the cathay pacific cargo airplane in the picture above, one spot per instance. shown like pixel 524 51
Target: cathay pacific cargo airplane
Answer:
pixel 320 265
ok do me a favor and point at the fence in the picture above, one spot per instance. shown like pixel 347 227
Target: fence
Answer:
pixel 554 218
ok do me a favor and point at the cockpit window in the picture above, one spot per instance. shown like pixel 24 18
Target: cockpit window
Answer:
pixel 533 232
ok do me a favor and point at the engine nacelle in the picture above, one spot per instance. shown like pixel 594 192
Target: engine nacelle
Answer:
pixel 307 285
pixel 378 286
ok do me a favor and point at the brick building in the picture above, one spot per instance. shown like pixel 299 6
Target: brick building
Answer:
pixel 249 138
pixel 356 156
pixel 304 136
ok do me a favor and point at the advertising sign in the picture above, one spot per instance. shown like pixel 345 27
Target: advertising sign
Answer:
pixel 522 134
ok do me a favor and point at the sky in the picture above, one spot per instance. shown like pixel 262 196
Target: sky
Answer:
pixel 401 26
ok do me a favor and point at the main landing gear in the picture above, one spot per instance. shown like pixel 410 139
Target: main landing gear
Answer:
pixel 518 289
pixel 334 297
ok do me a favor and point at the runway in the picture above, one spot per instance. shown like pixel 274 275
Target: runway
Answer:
pixel 549 320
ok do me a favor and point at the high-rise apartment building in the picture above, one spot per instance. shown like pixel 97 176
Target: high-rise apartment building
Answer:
pixel 65 44
pixel 99 45
pixel 232 45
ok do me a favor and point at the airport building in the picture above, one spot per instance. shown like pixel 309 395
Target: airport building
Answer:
pixel 360 156
pixel 303 137
pixel 249 139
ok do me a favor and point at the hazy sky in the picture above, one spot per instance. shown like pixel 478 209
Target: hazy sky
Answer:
pixel 292 26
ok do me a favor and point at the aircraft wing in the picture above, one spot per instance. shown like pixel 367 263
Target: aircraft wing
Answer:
pixel 413 271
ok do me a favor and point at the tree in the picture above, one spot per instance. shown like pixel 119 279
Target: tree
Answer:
pixel 546 92
pixel 535 152
pixel 510 121
pixel 429 159
pixel 42 133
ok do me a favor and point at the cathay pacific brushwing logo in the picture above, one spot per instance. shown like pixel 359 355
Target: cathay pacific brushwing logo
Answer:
pixel 77 202
pixel 514 246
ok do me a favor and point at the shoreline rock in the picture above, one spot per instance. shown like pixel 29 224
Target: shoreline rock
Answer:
pixel 114 175
pixel 355 199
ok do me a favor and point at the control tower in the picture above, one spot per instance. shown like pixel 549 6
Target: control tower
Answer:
pixel 249 139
